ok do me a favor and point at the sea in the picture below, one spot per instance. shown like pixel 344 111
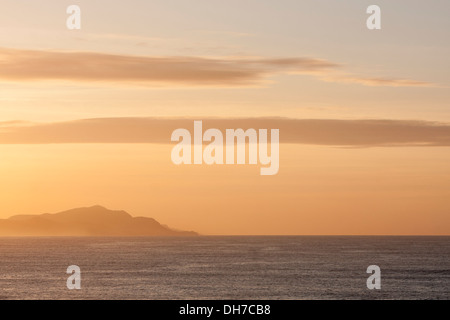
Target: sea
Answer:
pixel 226 267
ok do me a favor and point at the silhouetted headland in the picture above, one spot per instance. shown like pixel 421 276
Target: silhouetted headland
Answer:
pixel 92 221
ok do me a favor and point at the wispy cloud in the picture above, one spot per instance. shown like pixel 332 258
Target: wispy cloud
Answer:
pixel 377 81
pixel 38 65
pixel 13 123
pixel 350 133
pixel 31 65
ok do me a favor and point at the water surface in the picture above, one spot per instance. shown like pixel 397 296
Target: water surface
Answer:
pixel 298 267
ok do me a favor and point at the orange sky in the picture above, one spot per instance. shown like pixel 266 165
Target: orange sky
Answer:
pixel 319 190
pixel 376 162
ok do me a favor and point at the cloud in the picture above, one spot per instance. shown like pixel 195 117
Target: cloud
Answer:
pixel 12 123
pixel 349 133
pixel 378 82
pixel 33 65
pixel 18 65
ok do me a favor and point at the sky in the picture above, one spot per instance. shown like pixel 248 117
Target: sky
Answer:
pixel 363 114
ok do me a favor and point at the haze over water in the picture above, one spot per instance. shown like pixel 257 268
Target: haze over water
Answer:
pixel 293 267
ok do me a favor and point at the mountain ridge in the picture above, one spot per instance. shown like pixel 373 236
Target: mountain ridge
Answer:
pixel 86 221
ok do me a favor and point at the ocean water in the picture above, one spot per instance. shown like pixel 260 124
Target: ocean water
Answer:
pixel 225 267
